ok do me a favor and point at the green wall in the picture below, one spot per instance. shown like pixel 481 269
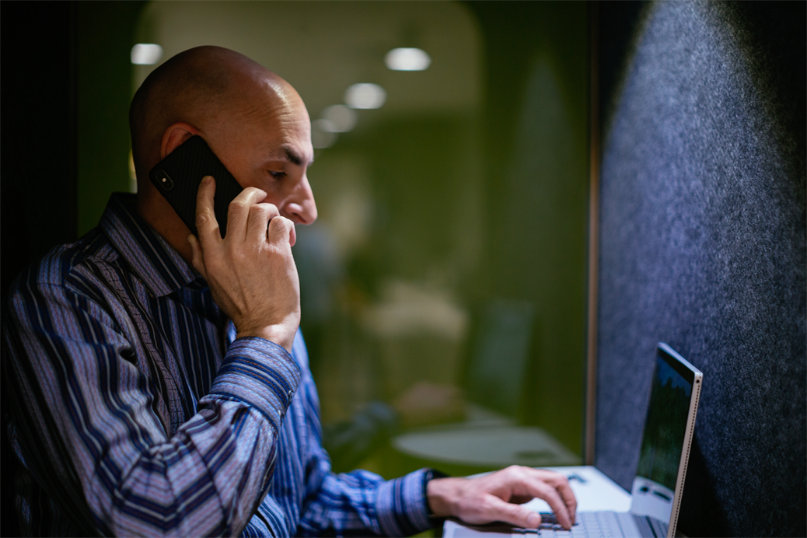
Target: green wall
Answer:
pixel 104 38
pixel 491 206
pixel 536 186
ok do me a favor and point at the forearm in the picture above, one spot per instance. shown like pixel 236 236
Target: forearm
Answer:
pixel 361 502
pixel 134 474
pixel 204 480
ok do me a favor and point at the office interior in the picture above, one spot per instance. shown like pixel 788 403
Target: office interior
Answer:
pixel 506 233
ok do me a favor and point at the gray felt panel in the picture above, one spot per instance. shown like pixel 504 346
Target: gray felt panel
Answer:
pixel 702 245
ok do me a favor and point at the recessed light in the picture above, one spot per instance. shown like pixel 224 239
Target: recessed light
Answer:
pixel 146 54
pixel 322 134
pixel 365 95
pixel 407 59
pixel 341 118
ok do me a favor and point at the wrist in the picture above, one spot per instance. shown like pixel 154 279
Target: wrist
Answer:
pixel 437 487
pixel 273 333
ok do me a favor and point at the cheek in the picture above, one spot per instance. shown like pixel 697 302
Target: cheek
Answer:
pixel 275 191
pixel 246 175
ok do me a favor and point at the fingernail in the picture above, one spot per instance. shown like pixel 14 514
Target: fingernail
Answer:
pixel 207 179
pixel 534 520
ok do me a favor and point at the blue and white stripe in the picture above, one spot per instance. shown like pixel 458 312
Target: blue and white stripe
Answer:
pixel 136 413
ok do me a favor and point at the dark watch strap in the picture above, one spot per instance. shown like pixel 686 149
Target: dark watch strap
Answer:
pixel 431 474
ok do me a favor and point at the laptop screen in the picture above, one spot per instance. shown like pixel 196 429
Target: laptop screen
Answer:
pixel 664 453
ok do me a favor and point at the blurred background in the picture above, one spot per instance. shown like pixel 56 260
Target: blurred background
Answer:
pixel 451 283
pixel 444 284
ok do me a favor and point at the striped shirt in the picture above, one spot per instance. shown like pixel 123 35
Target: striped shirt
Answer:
pixel 137 412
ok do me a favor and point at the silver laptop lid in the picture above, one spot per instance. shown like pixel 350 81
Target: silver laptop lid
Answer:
pixel 669 427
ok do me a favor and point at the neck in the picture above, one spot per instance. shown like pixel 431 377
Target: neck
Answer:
pixel 158 213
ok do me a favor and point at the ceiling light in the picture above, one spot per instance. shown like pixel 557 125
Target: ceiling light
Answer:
pixel 340 118
pixel 407 59
pixel 365 95
pixel 146 54
pixel 322 134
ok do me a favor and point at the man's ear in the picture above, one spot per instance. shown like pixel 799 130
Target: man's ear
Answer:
pixel 174 136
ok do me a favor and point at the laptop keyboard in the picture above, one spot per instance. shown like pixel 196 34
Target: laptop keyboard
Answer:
pixel 587 524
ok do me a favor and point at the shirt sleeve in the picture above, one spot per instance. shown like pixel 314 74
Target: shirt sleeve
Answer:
pixel 89 418
pixel 359 502
pixel 349 441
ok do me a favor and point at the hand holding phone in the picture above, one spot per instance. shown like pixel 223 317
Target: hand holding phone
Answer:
pixel 177 177
pixel 251 272
pixel 252 275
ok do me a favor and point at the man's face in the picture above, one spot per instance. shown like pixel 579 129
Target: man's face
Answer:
pixel 270 151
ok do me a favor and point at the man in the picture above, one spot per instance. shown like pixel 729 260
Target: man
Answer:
pixel 160 382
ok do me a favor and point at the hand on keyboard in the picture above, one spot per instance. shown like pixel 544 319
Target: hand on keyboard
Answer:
pixel 500 496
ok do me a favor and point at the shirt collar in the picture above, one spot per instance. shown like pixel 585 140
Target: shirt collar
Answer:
pixel 156 262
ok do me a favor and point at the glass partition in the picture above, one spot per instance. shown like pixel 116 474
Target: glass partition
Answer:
pixel 443 286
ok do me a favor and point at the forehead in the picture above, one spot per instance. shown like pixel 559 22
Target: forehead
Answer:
pixel 265 114
pixel 287 137
pixel 278 128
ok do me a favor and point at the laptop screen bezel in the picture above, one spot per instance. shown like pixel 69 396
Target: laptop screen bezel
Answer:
pixel 694 377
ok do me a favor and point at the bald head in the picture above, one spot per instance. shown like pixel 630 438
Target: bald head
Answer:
pixel 207 88
pixel 252 119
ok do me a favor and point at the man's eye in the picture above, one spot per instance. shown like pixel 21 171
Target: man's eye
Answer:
pixel 277 175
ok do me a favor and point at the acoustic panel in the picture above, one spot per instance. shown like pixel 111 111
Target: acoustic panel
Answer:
pixel 702 245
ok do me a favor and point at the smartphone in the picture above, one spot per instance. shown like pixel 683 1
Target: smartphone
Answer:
pixel 178 176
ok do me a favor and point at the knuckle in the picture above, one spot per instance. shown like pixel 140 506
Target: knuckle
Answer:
pixel 486 506
pixel 238 204
pixel 253 193
pixel 544 490
pixel 512 470
pixel 261 210
pixel 234 252
pixel 271 210
pixel 239 251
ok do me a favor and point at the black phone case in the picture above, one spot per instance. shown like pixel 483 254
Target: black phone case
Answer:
pixel 178 176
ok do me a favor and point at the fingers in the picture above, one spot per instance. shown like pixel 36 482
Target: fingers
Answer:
pixel 567 495
pixel 500 496
pixel 247 217
pixel 258 222
pixel 561 485
pixel 552 487
pixel 206 225
pixel 556 502
pixel 255 283
pixel 281 230
pixel 514 514
pixel 197 260
pixel 245 213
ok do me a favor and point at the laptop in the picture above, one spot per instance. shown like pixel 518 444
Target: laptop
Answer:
pixel 655 497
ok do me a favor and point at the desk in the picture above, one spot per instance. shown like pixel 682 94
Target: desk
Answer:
pixel 593 489
pixel 486 446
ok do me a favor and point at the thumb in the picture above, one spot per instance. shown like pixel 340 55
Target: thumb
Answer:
pixel 197 260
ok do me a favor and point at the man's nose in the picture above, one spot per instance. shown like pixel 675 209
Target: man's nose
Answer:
pixel 300 206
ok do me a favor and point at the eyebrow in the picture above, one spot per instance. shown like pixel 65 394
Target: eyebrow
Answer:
pixel 293 156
